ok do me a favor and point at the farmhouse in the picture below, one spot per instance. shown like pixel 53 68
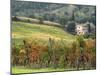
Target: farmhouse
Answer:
pixel 81 29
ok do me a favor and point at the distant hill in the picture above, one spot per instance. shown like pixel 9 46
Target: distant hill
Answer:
pixel 61 13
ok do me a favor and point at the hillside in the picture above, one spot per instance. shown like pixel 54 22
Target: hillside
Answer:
pixel 21 30
pixel 54 12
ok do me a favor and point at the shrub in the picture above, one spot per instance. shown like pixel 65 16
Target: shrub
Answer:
pixel 15 18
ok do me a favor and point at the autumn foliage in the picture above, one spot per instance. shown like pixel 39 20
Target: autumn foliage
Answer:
pixel 79 54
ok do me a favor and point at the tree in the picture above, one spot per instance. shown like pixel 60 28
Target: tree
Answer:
pixel 93 20
pixel 71 27
pixel 15 18
pixel 89 28
pixel 80 40
pixel 40 20
pixel 46 16
pixel 63 20
pixel 32 16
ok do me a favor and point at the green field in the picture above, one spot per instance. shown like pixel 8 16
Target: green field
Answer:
pixel 17 70
pixel 20 70
pixel 21 30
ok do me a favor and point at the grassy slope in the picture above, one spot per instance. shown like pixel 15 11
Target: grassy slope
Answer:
pixel 23 70
pixel 22 30
pixel 17 70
